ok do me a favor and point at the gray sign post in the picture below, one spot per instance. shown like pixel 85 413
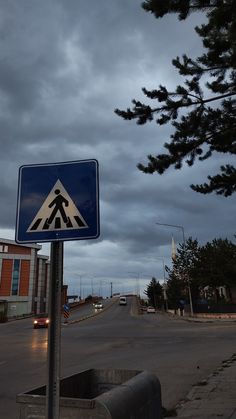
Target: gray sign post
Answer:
pixel 54 332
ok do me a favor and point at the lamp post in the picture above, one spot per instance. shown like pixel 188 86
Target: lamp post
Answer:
pixel 164 287
pixel 163 264
pixel 80 286
pixel 189 289
pixel 137 276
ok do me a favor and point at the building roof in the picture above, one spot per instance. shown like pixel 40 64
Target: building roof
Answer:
pixel 31 245
pixel 42 256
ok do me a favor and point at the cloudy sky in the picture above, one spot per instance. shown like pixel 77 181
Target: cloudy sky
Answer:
pixel 65 66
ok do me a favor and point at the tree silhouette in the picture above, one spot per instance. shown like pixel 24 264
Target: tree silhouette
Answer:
pixel 154 293
pixel 203 115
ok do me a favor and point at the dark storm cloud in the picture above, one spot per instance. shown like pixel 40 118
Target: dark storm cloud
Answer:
pixel 64 67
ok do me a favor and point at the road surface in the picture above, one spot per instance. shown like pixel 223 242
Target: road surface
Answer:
pixel 180 353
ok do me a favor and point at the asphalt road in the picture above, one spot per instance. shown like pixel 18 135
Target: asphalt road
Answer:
pixel 180 353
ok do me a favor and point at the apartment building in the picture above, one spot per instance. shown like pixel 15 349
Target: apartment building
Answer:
pixel 24 278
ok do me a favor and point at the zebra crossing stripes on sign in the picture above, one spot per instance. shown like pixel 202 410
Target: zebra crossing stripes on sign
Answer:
pixel 58 212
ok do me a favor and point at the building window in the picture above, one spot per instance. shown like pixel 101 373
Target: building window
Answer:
pixel 15 277
pixel 3 248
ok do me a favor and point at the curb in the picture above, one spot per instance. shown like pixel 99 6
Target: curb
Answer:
pixel 205 320
pixel 201 319
pixel 134 311
pixel 203 392
pixel 90 315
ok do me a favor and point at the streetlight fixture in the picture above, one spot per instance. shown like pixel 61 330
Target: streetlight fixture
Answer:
pixel 172 225
pixel 189 289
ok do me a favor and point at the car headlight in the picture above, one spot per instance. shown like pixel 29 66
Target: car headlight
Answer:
pixel 35 322
pixel 47 321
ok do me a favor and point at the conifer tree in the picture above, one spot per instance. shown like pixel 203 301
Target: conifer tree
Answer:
pixel 216 265
pixel 183 271
pixel 154 293
pixel 203 116
pixel 212 265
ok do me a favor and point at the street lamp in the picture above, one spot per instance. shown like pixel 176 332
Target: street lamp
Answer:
pixel 137 276
pixel 80 284
pixel 164 286
pixel 171 225
pixel 189 289
pixel 163 264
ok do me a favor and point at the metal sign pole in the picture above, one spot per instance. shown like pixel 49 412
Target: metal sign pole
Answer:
pixel 54 331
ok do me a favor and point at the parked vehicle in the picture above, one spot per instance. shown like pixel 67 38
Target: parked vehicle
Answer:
pixel 123 301
pixel 41 320
pixel 151 310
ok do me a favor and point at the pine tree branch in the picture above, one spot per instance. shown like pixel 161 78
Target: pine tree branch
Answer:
pixel 218 97
pixel 199 127
pixel 162 7
pixel 140 109
pixel 222 184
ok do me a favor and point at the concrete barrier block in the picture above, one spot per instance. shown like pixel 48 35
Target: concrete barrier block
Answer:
pixel 137 398
pixel 100 394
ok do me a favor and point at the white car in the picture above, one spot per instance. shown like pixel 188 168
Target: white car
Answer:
pixel 151 310
pixel 122 301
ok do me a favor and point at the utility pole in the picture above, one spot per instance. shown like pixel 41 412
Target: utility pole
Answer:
pixel 80 287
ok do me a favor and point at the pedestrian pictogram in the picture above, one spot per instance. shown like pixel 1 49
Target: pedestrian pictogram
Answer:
pixel 58 201
pixel 58 212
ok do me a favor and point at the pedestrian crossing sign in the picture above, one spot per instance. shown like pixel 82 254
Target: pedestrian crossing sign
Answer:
pixel 58 201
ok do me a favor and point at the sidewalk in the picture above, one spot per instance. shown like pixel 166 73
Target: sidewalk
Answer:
pixel 213 398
